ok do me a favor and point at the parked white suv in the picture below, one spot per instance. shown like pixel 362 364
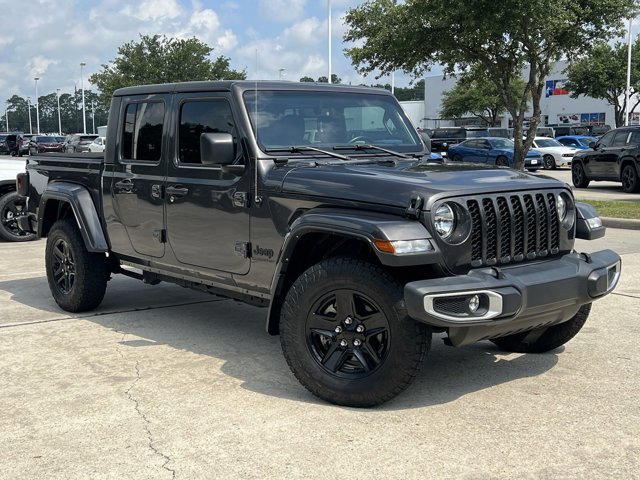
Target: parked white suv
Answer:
pixel 98 144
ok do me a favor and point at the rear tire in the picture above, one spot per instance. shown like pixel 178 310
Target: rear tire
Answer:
pixel 346 335
pixel 578 176
pixel 77 278
pixel 456 158
pixel 552 338
pixel 13 206
pixel 630 180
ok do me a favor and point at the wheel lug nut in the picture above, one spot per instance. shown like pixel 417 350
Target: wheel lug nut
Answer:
pixel 360 328
pixel 348 321
pixel 357 343
pixel 338 329
pixel 343 343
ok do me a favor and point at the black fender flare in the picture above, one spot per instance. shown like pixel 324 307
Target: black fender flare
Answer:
pixel 364 226
pixel 84 210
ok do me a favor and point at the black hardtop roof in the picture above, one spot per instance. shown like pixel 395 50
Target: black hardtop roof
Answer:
pixel 227 85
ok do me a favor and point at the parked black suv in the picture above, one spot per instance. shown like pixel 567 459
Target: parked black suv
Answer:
pixel 615 157
pixel 443 137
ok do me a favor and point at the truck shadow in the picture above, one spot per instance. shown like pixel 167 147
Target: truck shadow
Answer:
pixel 235 333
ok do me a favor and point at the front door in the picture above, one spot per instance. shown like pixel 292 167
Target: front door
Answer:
pixel 138 176
pixel 207 208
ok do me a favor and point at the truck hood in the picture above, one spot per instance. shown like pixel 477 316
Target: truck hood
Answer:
pixel 395 185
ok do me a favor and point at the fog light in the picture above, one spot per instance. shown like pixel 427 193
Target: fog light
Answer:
pixel 473 303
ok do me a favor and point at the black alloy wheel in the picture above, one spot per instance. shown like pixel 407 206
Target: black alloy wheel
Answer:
pixel 64 267
pixel 630 180
pixel 578 176
pixel 12 207
pixel 347 334
pixel 549 162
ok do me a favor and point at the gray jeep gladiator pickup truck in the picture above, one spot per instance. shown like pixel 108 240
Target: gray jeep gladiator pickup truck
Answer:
pixel 320 203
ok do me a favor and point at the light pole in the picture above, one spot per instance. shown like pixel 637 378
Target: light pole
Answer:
pixel 6 117
pixel 280 71
pixel 29 109
pixel 329 25
pixel 93 117
pixel 59 121
pixel 37 107
pixel 84 113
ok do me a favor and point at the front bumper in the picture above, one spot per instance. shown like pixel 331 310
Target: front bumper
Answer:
pixel 533 163
pixel 512 299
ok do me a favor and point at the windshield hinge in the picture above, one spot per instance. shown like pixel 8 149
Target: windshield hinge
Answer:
pixel 415 207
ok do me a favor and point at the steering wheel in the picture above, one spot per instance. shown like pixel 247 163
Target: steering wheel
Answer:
pixel 360 139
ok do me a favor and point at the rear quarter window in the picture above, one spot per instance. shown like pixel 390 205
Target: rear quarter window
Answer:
pixel 142 131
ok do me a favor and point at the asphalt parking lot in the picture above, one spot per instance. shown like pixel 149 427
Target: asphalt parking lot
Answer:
pixel 163 382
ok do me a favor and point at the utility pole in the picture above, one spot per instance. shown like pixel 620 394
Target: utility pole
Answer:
pixel 29 109
pixel 59 120
pixel 329 22
pixel 93 117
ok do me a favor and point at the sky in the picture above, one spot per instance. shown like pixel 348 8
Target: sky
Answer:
pixel 49 38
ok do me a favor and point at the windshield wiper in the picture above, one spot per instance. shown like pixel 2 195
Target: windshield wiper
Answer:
pixel 303 148
pixel 359 146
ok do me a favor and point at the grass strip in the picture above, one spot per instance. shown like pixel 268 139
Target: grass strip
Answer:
pixel 616 209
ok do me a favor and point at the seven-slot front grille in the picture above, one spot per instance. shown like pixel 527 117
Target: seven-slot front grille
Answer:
pixel 513 227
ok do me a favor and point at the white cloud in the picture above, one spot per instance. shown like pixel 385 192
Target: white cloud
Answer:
pixel 282 10
pixel 155 10
pixel 39 65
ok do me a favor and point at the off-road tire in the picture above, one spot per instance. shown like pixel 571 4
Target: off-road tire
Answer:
pixel 549 162
pixel 579 176
pixel 77 278
pixel 321 296
pixel 11 207
pixel 630 180
pixel 502 162
pixel 554 336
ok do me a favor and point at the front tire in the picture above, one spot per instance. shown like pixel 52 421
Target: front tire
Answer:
pixel 578 176
pixel 346 336
pixel 549 162
pixel 630 180
pixel 13 206
pixel 551 338
pixel 77 278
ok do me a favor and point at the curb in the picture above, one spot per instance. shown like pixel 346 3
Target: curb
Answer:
pixel 626 223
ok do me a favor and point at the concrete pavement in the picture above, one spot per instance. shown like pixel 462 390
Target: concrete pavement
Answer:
pixel 163 382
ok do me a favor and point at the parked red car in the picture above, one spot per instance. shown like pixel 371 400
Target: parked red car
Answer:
pixel 42 144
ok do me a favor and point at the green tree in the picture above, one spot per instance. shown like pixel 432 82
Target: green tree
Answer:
pixel 475 94
pixel 307 79
pixel 325 79
pixel 603 74
pixel 415 92
pixel 159 59
pixel 497 39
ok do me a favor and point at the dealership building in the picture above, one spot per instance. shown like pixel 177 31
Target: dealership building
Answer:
pixel 558 108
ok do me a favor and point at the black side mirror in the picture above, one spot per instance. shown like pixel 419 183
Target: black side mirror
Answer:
pixel 218 149
pixel 592 145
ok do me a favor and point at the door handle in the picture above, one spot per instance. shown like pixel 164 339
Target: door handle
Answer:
pixel 124 185
pixel 177 191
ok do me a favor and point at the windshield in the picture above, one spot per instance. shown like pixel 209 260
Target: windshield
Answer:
pixel 586 141
pixel 548 142
pixel 501 143
pixel 327 119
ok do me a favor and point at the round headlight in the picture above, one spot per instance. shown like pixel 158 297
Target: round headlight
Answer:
pixel 562 208
pixel 444 220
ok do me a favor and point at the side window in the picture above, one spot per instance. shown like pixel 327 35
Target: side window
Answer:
pixel 635 138
pixel 471 144
pixel 620 139
pixel 607 140
pixel 142 131
pixel 196 118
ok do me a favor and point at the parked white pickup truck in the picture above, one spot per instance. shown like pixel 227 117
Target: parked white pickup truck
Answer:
pixel 12 205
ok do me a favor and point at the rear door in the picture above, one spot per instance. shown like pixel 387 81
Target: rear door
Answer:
pixel 138 176
pixel 207 207
pixel 608 159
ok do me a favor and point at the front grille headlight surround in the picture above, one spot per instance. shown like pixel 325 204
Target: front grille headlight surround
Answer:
pixel 451 221
pixel 566 210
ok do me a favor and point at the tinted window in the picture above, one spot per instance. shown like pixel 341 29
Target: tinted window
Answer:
pixel 635 137
pixel 606 140
pixel 201 117
pixel 569 142
pixel 547 142
pixel 501 143
pixel 142 131
pixel 621 138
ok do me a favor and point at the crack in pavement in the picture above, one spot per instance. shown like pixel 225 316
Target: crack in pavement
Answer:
pixel 99 314
pixel 146 422
pixel 626 295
